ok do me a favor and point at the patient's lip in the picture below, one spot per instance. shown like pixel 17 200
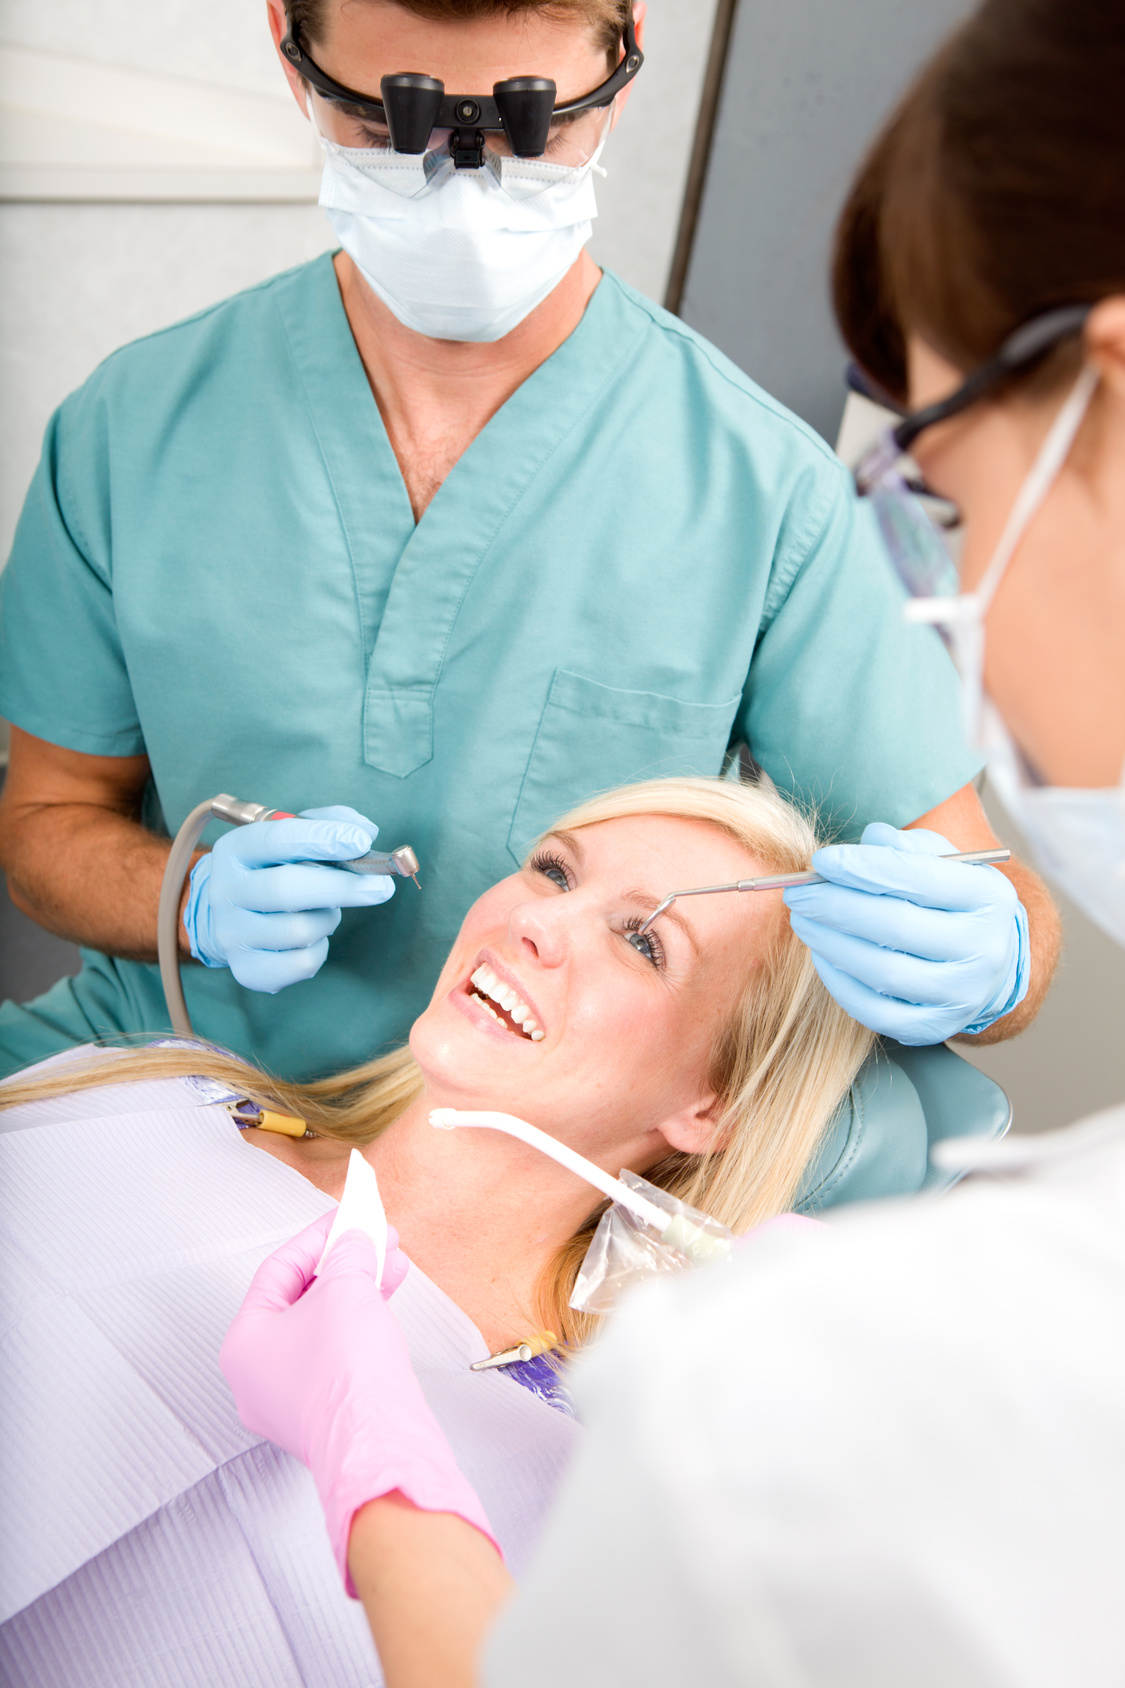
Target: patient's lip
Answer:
pixel 506 978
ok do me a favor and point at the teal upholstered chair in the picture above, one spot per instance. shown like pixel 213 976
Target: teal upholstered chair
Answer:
pixel 902 1102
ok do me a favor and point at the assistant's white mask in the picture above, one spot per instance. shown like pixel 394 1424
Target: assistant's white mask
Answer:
pixel 1077 835
pixel 457 254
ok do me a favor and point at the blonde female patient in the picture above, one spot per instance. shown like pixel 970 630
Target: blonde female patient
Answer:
pixel 151 1537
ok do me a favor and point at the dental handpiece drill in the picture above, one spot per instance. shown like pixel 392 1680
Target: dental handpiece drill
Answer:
pixel 402 861
pixel 780 881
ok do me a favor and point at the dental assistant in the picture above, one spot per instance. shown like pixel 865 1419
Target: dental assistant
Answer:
pixel 896 1458
pixel 431 538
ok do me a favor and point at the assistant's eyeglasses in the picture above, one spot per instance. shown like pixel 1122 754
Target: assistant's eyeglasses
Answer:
pixel 914 521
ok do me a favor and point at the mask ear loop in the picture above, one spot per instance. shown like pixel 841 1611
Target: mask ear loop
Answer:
pixel 1052 454
pixel 964 615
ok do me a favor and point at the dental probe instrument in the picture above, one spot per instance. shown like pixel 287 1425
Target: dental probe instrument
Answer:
pixel 672 1228
pixel 779 881
pixel 224 807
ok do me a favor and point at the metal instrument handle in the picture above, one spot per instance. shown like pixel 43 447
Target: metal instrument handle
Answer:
pixel 779 881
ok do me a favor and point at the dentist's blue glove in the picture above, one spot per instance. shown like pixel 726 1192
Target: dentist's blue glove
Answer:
pixel 914 948
pixel 261 904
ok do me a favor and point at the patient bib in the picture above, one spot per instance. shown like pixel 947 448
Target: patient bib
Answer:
pixel 146 1536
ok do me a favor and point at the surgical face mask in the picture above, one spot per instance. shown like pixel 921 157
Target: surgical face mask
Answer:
pixel 1077 836
pixel 458 254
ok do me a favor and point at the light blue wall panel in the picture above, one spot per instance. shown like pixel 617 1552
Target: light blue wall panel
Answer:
pixel 806 86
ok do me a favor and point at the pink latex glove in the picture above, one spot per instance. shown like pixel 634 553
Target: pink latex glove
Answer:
pixel 321 1367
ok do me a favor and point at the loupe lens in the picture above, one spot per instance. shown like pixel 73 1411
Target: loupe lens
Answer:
pixel 411 102
pixel 526 105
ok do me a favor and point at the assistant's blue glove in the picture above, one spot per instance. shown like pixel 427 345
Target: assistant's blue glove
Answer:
pixel 261 904
pixel 914 948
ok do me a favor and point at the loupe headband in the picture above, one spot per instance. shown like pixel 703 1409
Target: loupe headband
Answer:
pixel 413 105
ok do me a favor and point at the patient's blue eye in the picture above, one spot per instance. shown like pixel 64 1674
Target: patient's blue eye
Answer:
pixel 645 943
pixel 552 867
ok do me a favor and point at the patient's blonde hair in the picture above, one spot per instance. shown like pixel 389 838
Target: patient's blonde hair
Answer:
pixel 782 1063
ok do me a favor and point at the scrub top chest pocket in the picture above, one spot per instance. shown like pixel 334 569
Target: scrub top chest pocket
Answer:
pixel 592 737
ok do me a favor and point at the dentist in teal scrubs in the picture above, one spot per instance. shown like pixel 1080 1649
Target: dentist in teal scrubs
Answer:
pixel 431 538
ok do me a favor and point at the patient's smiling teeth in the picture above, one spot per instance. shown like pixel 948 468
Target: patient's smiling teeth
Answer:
pixel 486 983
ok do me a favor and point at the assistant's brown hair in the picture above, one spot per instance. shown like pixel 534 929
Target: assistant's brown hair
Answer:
pixel 606 17
pixel 995 191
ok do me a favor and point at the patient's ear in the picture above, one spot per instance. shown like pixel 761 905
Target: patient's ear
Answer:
pixel 694 1130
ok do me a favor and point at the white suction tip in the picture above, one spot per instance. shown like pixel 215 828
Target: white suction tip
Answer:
pixel 445 1119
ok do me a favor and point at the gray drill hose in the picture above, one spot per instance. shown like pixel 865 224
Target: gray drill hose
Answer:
pixel 168 915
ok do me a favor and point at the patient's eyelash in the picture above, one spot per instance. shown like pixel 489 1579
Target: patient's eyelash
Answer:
pixel 553 867
pixel 649 945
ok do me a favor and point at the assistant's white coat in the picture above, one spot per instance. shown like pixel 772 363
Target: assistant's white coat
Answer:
pixel 896 1460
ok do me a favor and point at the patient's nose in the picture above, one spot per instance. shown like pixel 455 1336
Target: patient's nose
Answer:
pixel 541 927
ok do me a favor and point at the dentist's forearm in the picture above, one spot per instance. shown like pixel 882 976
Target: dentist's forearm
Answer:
pixel 431 1586
pixel 77 859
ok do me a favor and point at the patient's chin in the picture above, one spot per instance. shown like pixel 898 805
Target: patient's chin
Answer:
pixel 463 1066
pixel 451 1052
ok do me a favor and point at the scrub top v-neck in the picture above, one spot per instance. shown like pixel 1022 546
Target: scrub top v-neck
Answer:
pixel 641 560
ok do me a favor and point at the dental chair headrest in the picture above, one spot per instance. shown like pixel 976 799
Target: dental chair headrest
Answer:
pixel 902 1101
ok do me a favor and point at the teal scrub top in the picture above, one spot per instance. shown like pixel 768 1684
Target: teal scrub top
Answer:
pixel 641 560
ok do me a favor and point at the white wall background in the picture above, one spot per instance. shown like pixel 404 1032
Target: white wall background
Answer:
pixel 113 225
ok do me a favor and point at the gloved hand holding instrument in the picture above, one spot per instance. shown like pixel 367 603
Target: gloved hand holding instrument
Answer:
pixel 916 947
pixel 908 941
pixel 266 899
